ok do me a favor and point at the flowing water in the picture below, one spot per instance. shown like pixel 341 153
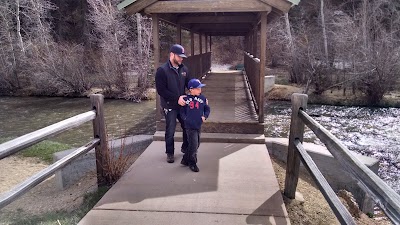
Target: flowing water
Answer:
pixel 373 132
pixel 19 116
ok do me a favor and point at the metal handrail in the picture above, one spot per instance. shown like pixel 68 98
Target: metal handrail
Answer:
pixel 36 179
pixel 13 146
pixel 381 193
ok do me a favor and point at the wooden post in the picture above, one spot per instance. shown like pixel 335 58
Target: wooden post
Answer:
pixel 263 46
pixel 156 52
pixel 255 40
pixel 210 43
pixel 192 43
pixel 296 132
pixel 178 34
pixel 206 43
pixel 201 43
pixel 99 131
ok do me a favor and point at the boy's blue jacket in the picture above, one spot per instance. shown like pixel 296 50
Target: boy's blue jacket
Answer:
pixel 195 108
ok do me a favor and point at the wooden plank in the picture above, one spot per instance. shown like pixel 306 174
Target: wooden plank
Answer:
pixel 178 34
pixel 99 131
pixel 156 50
pixel 387 199
pixel 36 179
pixel 342 214
pixel 207 6
pixel 227 33
pixel 206 37
pixel 263 56
pixel 138 6
pixel 221 26
pixel 10 147
pixel 296 132
pixel 282 5
pixel 189 19
pixel 192 43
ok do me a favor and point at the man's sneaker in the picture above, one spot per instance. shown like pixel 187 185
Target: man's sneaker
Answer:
pixel 170 158
pixel 184 162
pixel 183 150
pixel 194 168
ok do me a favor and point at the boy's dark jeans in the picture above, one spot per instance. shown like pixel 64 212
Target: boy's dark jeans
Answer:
pixel 193 136
pixel 170 120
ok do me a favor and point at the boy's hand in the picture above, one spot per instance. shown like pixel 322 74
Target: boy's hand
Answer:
pixel 181 101
pixel 203 118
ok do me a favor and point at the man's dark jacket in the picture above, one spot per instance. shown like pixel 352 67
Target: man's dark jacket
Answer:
pixel 171 83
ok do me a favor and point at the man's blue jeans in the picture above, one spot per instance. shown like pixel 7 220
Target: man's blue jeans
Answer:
pixel 170 119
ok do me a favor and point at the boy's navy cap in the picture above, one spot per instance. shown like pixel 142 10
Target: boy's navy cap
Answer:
pixel 195 83
pixel 179 50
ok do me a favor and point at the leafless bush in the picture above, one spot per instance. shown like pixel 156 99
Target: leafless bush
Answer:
pixel 64 71
pixel 117 161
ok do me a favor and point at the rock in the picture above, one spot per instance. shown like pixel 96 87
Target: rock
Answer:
pixel 350 203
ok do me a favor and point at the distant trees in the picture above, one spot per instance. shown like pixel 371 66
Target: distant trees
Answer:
pixel 349 43
pixel 34 58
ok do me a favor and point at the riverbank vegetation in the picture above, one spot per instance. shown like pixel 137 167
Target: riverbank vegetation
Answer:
pixel 79 47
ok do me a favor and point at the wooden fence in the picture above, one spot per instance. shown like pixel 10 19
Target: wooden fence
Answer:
pixel 252 68
pixel 198 65
pixel 387 199
pixel 99 142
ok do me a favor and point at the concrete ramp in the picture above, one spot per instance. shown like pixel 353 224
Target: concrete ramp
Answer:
pixel 236 185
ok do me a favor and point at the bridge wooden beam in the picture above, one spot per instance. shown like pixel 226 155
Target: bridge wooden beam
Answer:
pixel 207 6
pixel 215 19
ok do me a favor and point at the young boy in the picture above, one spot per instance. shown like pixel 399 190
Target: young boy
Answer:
pixel 194 113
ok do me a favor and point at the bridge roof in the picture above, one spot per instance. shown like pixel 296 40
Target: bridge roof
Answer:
pixel 218 17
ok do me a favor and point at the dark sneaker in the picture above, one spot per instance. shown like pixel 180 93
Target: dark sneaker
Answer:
pixel 194 168
pixel 183 150
pixel 170 158
pixel 184 162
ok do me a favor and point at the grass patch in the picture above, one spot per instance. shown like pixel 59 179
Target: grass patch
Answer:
pixel 43 150
pixel 52 218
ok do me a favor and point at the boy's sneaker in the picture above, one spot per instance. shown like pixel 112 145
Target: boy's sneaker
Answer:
pixel 194 168
pixel 170 158
pixel 184 162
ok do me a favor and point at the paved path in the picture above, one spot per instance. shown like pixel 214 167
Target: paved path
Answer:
pixel 236 185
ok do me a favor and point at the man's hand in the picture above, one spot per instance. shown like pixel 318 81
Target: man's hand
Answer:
pixel 206 101
pixel 203 118
pixel 181 101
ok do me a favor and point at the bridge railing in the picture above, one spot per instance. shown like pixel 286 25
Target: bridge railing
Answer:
pixel 99 142
pixel 252 68
pixel 198 65
pixel 387 199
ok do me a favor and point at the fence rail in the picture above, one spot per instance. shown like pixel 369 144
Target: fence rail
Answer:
pixel 381 193
pixel 252 67
pixel 198 65
pixel 99 143
pixel 13 146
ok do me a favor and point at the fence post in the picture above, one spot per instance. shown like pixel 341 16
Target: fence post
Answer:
pixel 99 131
pixel 296 131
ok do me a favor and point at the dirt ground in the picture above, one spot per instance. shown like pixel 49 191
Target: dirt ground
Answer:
pixel 46 197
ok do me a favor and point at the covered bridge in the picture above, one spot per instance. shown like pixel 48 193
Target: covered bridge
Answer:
pixel 207 18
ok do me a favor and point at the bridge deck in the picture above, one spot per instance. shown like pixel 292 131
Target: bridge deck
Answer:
pixel 232 110
pixel 236 185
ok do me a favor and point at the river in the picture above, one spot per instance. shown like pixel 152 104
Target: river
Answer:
pixel 373 132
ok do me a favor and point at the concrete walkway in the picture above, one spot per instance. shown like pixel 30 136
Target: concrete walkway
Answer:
pixel 236 185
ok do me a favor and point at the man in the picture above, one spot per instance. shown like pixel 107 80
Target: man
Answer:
pixel 171 79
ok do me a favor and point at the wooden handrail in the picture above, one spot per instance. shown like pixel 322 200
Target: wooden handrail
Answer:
pixel 336 205
pixel 381 193
pixel 36 179
pixel 10 147
pixel 99 143
pixel 387 199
